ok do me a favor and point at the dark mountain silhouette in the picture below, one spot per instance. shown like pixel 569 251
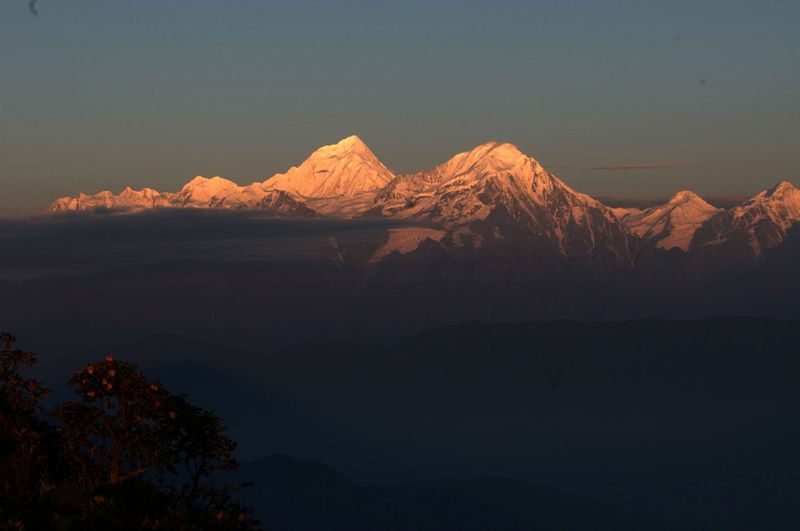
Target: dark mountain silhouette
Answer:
pixel 675 422
pixel 301 496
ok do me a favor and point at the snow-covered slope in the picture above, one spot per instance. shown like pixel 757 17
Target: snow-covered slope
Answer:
pixel 496 189
pixel 127 199
pixel 200 192
pixel 343 176
pixel 761 223
pixel 340 180
pixel 672 224
pixel 491 193
pixel 406 240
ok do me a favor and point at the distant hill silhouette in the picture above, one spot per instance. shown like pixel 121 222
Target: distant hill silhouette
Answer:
pixel 292 495
pixel 686 424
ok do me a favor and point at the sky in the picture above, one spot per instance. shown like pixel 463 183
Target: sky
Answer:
pixel 618 98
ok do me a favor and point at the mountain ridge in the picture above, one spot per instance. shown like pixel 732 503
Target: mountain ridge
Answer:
pixel 492 191
pixel 672 224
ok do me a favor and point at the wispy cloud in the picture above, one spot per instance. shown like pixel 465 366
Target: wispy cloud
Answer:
pixel 644 166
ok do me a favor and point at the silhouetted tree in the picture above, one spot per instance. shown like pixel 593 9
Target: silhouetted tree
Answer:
pixel 27 442
pixel 126 454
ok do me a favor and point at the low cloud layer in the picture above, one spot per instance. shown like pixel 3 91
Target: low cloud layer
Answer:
pixel 94 242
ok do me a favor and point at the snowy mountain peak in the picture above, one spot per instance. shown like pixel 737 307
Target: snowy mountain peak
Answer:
pixel 208 183
pixel 782 196
pixel 496 190
pixel 201 191
pixel 197 181
pixel 345 169
pixel 781 190
pixel 761 223
pixel 340 179
pixel 685 196
pixel 501 151
pixel 460 181
pixel 351 143
pixel 496 157
pixel 671 225
pixel 350 147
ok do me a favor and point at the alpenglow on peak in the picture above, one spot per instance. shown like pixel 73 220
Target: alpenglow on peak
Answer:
pixel 345 169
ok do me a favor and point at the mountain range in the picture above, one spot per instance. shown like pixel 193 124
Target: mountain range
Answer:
pixel 492 192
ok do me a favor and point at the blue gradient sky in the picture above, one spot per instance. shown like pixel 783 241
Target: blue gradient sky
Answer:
pixel 97 94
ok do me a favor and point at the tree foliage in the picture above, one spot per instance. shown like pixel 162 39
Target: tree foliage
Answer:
pixel 125 454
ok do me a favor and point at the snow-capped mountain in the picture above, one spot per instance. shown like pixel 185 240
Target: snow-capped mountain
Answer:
pixel 340 180
pixel 495 191
pixel 490 194
pixel 200 192
pixel 672 224
pixel 127 199
pixel 754 226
